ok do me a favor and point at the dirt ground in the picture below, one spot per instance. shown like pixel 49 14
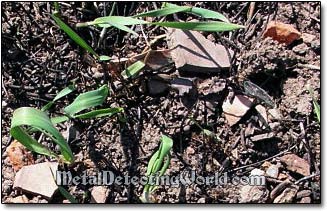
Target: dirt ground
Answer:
pixel 38 60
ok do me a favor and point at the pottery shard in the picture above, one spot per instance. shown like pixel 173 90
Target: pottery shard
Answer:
pixel 99 194
pixel 37 179
pixel 235 109
pixel 192 52
pixel 19 200
pixel 296 164
pixel 283 33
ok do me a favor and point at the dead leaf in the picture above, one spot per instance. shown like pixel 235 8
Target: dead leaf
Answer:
pixel 283 33
pixel 19 156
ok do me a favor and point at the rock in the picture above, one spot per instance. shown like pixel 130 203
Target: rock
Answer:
pixel 157 87
pixel 315 45
pixel 272 171
pixel 202 200
pixel 183 85
pixel 307 38
pixel 18 155
pixel 236 109
pixel 263 113
pixel 287 196
pixel 274 126
pixel 192 52
pixel 19 200
pixel 274 114
pixel 99 194
pixel 262 137
pixel 211 86
pixel 296 164
pixel 257 172
pixel 301 49
pixel 253 194
pixel 303 193
pixel 190 151
pixel 283 33
pixel 37 179
pixel 305 200
pixel 279 189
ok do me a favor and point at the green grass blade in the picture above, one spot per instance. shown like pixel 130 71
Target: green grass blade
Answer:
pixel 204 13
pixel 133 70
pixel 104 58
pixel 31 117
pixel 69 89
pixel 73 35
pixel 315 104
pixel 67 195
pixel 30 143
pixel 87 100
pixel 213 26
pixel 156 163
pixel 99 113
pixel 56 7
pixel 164 11
pixel 59 119
pixel 105 21
pixel 166 145
pixel 123 27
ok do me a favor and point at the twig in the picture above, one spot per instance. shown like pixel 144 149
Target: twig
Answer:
pixel 309 66
pixel 306 178
pixel 104 30
pixel 259 162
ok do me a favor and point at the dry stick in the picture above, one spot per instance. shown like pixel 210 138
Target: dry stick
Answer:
pixel 104 30
pixel 250 12
pixel 259 162
pixel 306 144
pixel 306 178
pixel 309 66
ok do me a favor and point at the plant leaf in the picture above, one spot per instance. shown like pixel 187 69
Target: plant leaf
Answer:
pixel 133 70
pixel 59 119
pixel 123 27
pixel 67 195
pixel 156 163
pixel 73 35
pixel 104 58
pixel 87 100
pixel 164 11
pixel 32 117
pixel 99 113
pixel 213 26
pixel 315 104
pixel 105 21
pixel 204 13
pixel 61 94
